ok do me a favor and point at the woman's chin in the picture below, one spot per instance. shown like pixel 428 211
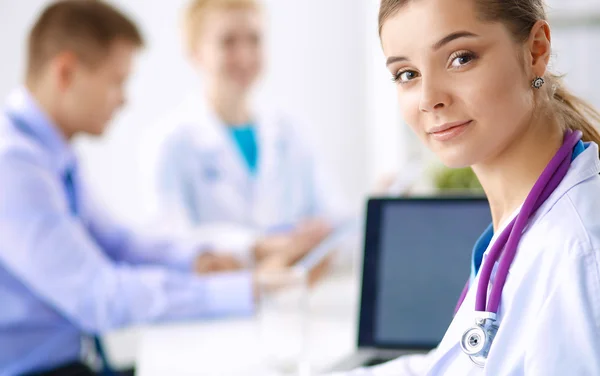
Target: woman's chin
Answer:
pixel 456 159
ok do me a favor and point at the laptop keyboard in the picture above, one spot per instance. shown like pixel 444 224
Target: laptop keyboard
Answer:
pixel 376 361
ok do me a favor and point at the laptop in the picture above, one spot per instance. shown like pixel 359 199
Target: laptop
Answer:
pixel 417 257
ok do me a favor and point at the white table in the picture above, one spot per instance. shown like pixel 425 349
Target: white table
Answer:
pixel 231 346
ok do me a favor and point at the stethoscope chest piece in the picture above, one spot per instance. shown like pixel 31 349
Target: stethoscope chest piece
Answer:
pixel 477 340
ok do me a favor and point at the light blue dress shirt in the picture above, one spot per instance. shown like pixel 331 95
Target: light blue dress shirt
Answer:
pixel 64 276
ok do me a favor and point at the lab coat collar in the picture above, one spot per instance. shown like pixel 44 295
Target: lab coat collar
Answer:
pixel 208 132
pixel 584 167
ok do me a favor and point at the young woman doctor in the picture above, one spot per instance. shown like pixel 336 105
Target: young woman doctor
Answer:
pixel 472 82
pixel 234 168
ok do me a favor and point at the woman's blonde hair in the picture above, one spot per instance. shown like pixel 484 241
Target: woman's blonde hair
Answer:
pixel 519 16
pixel 196 11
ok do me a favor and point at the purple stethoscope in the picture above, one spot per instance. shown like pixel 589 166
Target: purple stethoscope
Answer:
pixel 477 340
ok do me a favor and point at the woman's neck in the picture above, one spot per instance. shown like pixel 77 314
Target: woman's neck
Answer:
pixel 232 109
pixel 508 178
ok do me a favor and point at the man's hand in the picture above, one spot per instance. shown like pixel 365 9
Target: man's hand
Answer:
pixel 209 262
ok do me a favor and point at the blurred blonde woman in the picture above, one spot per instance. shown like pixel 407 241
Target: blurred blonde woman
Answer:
pixel 231 168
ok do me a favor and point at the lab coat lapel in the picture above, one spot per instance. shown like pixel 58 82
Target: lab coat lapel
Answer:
pixel 269 181
pixel 219 158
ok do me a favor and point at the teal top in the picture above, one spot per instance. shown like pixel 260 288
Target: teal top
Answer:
pixel 245 139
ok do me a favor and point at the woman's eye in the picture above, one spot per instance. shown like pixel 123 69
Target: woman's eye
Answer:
pixel 461 59
pixel 405 76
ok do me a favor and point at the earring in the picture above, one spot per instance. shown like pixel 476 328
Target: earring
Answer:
pixel 537 82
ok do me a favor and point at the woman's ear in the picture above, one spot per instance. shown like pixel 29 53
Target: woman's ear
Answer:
pixel 539 48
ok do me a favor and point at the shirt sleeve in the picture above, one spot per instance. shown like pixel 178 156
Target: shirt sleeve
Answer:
pixel 140 247
pixel 53 255
pixel 566 336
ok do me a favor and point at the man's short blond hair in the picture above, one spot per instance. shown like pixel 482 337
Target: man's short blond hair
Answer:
pixel 196 11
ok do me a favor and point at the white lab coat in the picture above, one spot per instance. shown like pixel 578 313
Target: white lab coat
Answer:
pixel 550 309
pixel 204 186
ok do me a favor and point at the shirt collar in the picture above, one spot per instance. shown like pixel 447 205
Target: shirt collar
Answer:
pixel 30 119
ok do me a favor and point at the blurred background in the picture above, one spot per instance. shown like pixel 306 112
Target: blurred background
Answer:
pixel 325 66
pixel 317 70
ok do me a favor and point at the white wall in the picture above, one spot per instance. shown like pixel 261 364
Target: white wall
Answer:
pixel 316 53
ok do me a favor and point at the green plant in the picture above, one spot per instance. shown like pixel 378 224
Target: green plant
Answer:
pixel 456 179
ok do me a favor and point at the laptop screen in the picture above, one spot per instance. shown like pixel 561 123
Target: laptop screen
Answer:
pixel 417 260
